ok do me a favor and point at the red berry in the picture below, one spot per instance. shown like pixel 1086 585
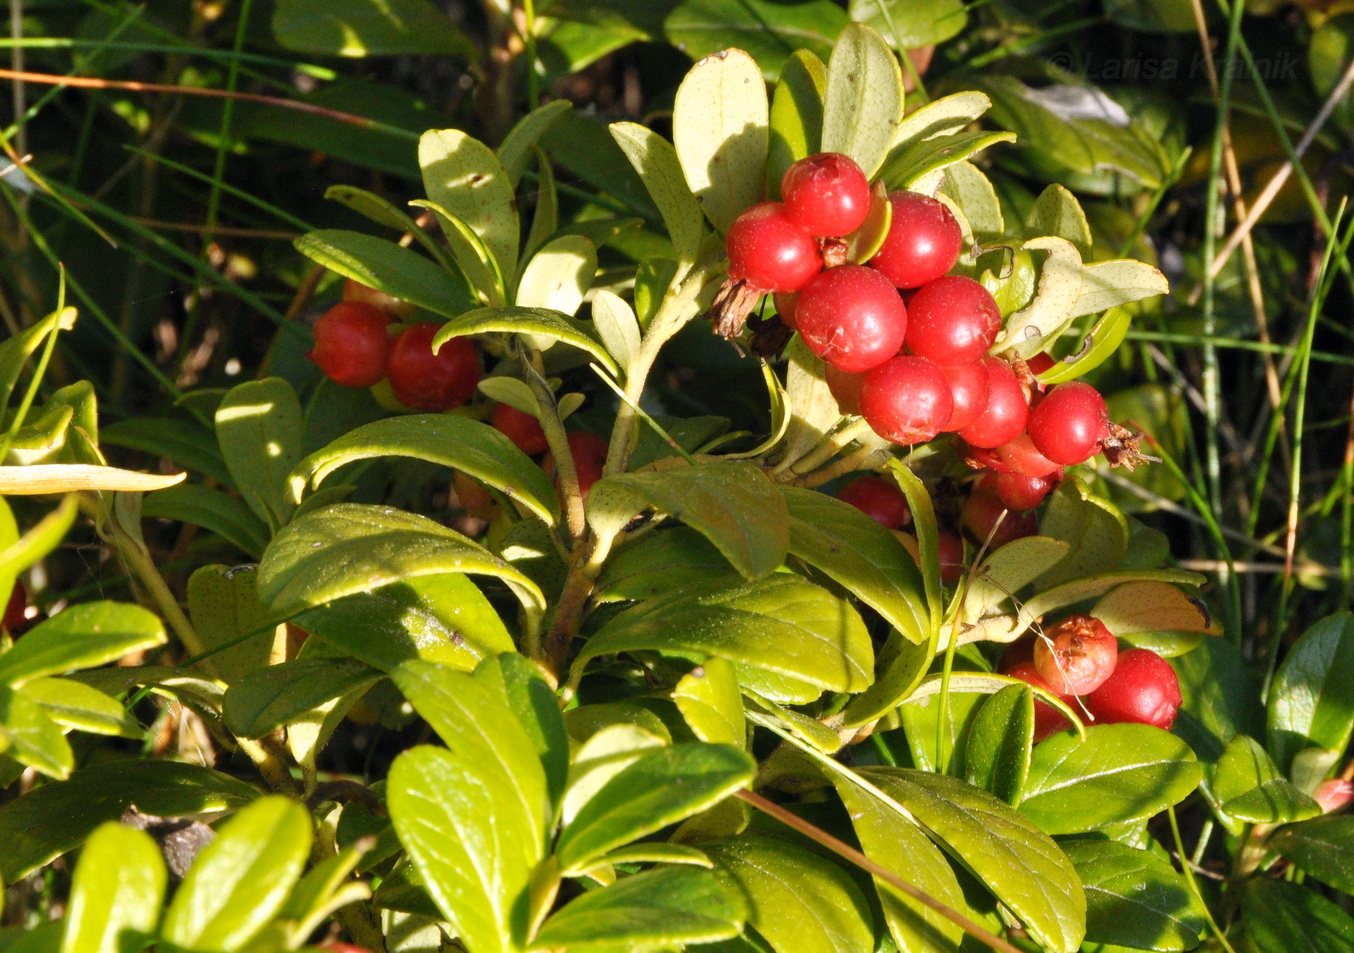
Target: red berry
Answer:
pixel 473 497
pixel 951 549
pixel 771 251
pixel 397 308
pixel 984 515
pixel 1077 655
pixel 785 302
pixel 851 317
pixel 1003 419
pixel 923 241
pixel 1142 689
pixel 1048 721
pixel 828 194
pixel 1069 423
pixel 351 344
pixel 846 388
pixel 522 429
pixel 589 452
pixel 16 608
pixel 1040 363
pixel 423 380
pixel 878 499
pixel 952 320
pixel 1020 456
pixel 968 386
pixel 1020 492
pixel 906 400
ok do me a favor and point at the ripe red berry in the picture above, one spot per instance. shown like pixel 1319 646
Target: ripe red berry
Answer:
pixel 589 452
pixel 522 429
pixel 1142 689
pixel 16 608
pixel 851 317
pixel 984 516
pixel 1021 492
pixel 951 550
pixel 828 194
pixel 397 308
pixel 1048 721
pixel 878 499
pixel 351 344
pixel 1040 362
pixel 1077 655
pixel 423 380
pixel 1022 457
pixel 952 320
pixel 906 400
pixel 1069 423
pixel 1007 409
pixel 771 251
pixel 923 242
pixel 968 386
pixel 846 388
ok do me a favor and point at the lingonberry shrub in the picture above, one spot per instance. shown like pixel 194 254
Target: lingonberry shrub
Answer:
pixel 852 318
pixel 906 400
pixel 770 250
pixel 521 428
pixel 1076 655
pixel 351 344
pixel 923 242
pixel 826 193
pixel 952 320
pixel 1069 423
pixel 422 380
pixel 1143 688
pixel 878 499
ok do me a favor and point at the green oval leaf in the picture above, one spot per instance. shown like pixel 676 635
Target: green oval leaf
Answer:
pixel 997 752
pixel 1249 789
pixel 1134 898
pixel 1277 915
pixel 475 448
pixel 709 700
pixel 388 267
pixel 463 175
pixel 863 104
pixel 260 431
pixel 796 116
pixel 655 159
pixel 1312 699
pixel 73 704
pixel 782 623
pixel 241 879
pixel 1119 773
pixel 534 321
pixel 272 697
pixel 115 893
pixel 29 737
pixel 559 275
pixel 82 636
pixel 1323 846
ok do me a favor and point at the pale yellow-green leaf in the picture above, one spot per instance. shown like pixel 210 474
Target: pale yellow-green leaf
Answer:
pixel 655 159
pixel 1030 329
pixel 864 102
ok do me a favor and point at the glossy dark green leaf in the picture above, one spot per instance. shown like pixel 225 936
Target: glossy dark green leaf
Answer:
pixel 541 322
pixel 1134 898
pixel 82 636
pixel 782 623
pixel 662 787
pixel 241 879
pixel 799 901
pixel 997 753
pixel 388 267
pixel 1018 863
pixel 473 447
pixel 1278 915
pixel 863 103
pixel 1312 699
pixel 472 716
pixel 274 696
pixel 731 503
pixel 1221 697
pixel 225 515
pixel 796 116
pixel 768 30
pixel 898 843
pixel 30 737
pixel 916 160
pixel 190 445
pixel 73 704
pixel 1323 846
pixel 473 847
pixel 224 606
pixel 655 909
pixel 536 706
pixel 116 893
pixel 709 700
pixel 1248 788
pixel 867 559
pixel 1119 773
pixel 661 562
pixel 349 548
pixel 50 820
pixel 260 431
pixel 361 28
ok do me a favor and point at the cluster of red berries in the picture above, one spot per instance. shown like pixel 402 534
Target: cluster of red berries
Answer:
pixel 1079 661
pixel 354 347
